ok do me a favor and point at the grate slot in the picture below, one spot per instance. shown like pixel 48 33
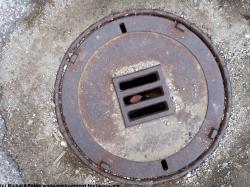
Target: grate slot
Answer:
pixel 143 96
pixel 147 111
pixel 139 81
pixel 164 165
pixel 123 28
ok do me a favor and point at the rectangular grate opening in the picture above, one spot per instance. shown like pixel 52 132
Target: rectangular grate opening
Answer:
pixel 123 28
pixel 164 165
pixel 146 111
pixel 143 96
pixel 139 81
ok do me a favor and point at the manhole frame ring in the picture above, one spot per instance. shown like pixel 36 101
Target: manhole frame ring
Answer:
pixel 153 12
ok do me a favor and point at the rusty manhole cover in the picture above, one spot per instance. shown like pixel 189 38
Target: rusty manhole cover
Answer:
pixel 142 97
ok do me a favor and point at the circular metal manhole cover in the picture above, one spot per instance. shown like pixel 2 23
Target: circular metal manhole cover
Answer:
pixel 142 96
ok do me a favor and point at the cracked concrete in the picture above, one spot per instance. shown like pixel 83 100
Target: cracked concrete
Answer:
pixel 31 55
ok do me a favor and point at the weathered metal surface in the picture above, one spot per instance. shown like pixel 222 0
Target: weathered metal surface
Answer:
pixel 154 151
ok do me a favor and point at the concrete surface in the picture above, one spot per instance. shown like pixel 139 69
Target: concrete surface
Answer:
pixel 10 13
pixel 9 171
pixel 2 129
pixel 29 58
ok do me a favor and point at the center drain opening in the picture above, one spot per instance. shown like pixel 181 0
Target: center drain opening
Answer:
pixel 146 111
pixel 143 96
pixel 139 81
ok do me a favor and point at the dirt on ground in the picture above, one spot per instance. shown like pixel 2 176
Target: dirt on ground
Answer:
pixel 33 52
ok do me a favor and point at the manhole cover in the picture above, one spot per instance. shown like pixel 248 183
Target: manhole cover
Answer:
pixel 142 97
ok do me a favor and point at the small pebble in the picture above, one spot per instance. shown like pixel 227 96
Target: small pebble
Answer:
pixel 224 165
pixel 30 122
pixel 63 144
pixel 76 171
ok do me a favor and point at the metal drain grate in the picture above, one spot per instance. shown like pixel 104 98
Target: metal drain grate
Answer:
pixel 143 96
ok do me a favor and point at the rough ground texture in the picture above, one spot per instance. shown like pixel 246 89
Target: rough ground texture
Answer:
pixel 36 34
pixel 9 172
